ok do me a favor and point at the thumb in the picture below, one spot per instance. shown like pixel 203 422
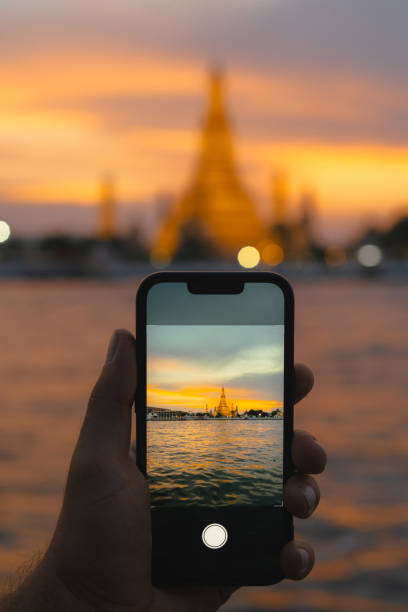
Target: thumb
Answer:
pixel 107 426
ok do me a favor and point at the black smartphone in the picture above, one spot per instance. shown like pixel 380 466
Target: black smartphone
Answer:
pixel 214 422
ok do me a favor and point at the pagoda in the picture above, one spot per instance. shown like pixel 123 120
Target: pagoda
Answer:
pixel 107 228
pixel 215 202
pixel 223 410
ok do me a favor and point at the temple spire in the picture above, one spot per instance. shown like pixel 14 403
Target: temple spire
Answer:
pixel 216 92
pixel 223 409
pixel 215 200
pixel 107 229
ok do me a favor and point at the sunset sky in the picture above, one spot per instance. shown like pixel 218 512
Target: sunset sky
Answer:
pixel 318 88
pixel 188 365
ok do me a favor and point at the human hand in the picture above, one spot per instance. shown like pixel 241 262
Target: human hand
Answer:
pixel 101 550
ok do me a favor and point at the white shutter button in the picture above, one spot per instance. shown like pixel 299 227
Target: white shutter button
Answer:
pixel 215 535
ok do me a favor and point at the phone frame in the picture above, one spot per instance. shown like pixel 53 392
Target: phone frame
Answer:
pixel 219 283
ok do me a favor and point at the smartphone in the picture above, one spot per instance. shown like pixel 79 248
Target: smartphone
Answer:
pixel 214 422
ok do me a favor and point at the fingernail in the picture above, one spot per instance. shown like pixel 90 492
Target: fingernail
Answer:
pixel 113 345
pixel 304 560
pixel 310 497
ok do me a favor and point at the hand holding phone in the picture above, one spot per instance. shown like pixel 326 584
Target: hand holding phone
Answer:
pixel 100 554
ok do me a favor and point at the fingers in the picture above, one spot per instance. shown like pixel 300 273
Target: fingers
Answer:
pixel 304 381
pixel 301 495
pixel 107 425
pixel 132 451
pixel 307 454
pixel 297 560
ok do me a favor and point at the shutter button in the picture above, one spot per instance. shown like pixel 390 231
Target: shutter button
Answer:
pixel 215 535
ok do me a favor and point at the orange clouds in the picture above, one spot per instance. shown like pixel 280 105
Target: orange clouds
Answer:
pixel 68 115
pixel 56 139
pixel 351 179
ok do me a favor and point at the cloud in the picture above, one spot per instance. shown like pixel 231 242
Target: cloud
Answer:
pixel 367 36
pixel 248 359
pixel 266 385
pixel 121 85
pixel 215 345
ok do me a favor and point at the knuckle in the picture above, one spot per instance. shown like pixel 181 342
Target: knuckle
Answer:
pixel 84 468
pixel 307 453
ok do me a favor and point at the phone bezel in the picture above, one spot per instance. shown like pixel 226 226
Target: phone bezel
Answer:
pixel 219 282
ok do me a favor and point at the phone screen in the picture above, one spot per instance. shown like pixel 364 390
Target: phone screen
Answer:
pixel 215 387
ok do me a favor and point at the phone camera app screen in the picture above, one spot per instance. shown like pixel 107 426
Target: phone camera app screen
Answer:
pixel 215 367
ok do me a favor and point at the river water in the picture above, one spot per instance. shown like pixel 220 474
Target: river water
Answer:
pixel 355 337
pixel 215 462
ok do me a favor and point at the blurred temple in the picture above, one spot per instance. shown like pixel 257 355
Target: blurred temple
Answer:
pixel 295 237
pixel 107 225
pixel 279 195
pixel 215 215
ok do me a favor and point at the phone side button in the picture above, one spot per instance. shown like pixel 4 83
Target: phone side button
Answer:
pixel 214 535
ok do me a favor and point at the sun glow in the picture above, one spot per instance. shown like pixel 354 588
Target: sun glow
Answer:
pixel 139 115
pixel 196 398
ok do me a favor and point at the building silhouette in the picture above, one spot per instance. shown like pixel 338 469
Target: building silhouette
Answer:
pixel 215 211
pixel 301 245
pixel 223 410
pixel 279 193
pixel 107 221
pixel 293 235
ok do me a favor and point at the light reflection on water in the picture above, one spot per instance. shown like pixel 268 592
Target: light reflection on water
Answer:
pixel 355 337
pixel 215 463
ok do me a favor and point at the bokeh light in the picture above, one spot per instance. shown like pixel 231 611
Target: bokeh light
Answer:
pixel 369 255
pixel 272 254
pixel 248 257
pixel 4 231
pixel 335 256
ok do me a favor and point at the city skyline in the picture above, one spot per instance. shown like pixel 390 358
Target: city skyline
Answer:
pixel 90 90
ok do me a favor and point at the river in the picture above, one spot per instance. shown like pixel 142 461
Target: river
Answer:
pixel 215 462
pixel 354 334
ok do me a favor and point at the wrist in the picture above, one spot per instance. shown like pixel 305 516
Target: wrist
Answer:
pixel 43 591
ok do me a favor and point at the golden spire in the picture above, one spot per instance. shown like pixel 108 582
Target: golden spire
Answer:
pixel 216 157
pixel 215 199
pixel 107 208
pixel 279 197
pixel 223 409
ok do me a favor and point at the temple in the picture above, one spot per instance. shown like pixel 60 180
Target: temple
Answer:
pixel 223 410
pixel 215 210
pixel 107 229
